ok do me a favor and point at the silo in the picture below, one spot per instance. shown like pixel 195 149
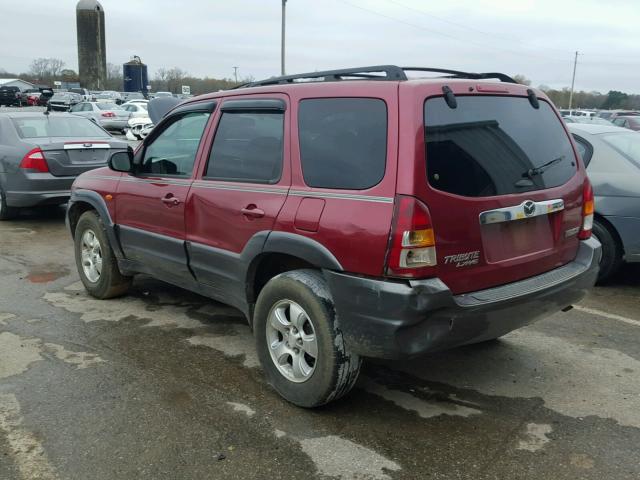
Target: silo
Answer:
pixel 92 54
pixel 135 76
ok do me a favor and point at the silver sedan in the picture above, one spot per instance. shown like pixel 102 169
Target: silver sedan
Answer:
pixel 108 115
pixel 41 155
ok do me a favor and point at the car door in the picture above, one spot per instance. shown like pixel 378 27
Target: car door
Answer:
pixel 150 205
pixel 240 190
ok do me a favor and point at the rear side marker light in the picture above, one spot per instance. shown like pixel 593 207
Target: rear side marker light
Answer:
pixel 412 251
pixel 588 209
pixel 34 160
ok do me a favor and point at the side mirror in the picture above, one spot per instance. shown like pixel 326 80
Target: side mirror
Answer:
pixel 122 161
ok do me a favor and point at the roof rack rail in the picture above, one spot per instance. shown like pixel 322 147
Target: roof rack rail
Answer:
pixel 375 72
pixel 391 72
pixel 464 75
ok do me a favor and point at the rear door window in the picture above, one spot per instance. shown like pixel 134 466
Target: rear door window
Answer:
pixel 247 147
pixel 343 142
pixel 490 146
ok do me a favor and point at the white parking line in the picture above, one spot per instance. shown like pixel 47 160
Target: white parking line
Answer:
pixel 28 453
pixel 611 316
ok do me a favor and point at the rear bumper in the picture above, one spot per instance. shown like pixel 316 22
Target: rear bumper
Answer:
pixel 385 319
pixel 33 199
pixel 111 124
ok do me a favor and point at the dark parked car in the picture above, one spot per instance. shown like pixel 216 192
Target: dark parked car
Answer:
pixel 362 214
pixel 612 156
pixel 630 122
pixel 41 155
pixel 10 96
pixel 63 101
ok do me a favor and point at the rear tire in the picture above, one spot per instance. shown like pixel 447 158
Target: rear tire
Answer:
pixel 96 262
pixel 301 298
pixel 6 212
pixel 611 251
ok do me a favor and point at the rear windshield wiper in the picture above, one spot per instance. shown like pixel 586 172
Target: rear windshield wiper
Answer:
pixel 538 170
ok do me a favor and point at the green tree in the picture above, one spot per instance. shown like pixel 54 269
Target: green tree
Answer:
pixel 615 99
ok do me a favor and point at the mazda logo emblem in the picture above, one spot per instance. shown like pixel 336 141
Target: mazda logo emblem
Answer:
pixel 529 208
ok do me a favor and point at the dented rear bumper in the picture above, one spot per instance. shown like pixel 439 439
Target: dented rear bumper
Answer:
pixel 396 319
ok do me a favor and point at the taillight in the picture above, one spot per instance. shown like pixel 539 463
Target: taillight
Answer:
pixel 34 160
pixel 412 250
pixel 588 208
pixel 108 114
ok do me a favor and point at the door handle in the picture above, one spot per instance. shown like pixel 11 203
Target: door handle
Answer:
pixel 252 211
pixel 171 201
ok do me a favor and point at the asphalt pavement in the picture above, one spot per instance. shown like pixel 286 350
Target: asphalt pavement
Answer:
pixel 165 384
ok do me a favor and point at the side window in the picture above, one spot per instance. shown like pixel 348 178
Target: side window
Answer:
pixel 247 147
pixel 87 107
pixel 343 142
pixel 619 122
pixel 585 150
pixel 173 151
pixel 77 108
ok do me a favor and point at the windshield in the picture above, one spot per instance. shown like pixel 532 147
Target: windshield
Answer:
pixel 627 144
pixel 54 126
pixel 495 146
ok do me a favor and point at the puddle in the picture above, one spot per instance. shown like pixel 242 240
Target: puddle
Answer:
pixel 47 275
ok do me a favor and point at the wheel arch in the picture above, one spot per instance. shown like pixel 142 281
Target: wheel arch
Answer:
pixel 82 201
pixel 283 252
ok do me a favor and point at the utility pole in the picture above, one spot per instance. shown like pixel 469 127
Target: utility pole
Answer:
pixel 573 80
pixel 235 73
pixel 284 8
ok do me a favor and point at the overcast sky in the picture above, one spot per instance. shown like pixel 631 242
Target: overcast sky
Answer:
pixel 535 38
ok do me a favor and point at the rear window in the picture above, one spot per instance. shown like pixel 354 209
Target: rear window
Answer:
pixel 52 126
pixel 627 144
pixel 108 106
pixel 491 146
pixel 343 142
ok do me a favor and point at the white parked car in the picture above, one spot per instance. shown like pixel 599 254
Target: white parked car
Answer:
pixel 108 115
pixel 137 110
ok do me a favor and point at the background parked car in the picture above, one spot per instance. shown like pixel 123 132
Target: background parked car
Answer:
pixel 591 120
pixel 108 115
pixel 129 96
pixel 10 96
pixel 64 100
pixel 86 95
pixel 137 109
pixel 611 115
pixel 109 97
pixel 41 155
pixel 630 122
pixel 612 156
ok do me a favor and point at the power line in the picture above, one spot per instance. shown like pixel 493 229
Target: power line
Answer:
pixel 453 37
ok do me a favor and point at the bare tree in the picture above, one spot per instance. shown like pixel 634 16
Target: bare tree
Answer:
pixel 522 79
pixel 175 78
pixel 39 68
pixel 55 67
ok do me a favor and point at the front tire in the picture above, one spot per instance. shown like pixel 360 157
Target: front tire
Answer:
pixel 97 265
pixel 299 342
pixel 611 251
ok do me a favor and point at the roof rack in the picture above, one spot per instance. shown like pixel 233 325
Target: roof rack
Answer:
pixel 375 72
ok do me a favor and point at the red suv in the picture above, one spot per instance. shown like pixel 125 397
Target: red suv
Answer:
pixel 348 214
